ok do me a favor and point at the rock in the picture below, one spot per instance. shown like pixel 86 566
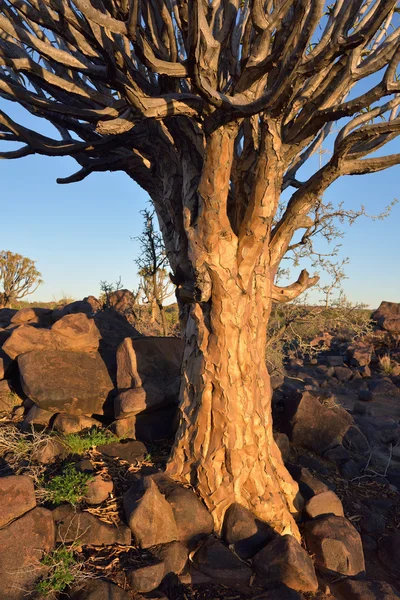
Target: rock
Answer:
pixel 131 451
pixel 372 523
pixel 114 329
pixel 282 441
pixel 361 408
pixel 365 371
pixel 80 526
pixel 193 521
pixel 98 589
pixel 124 428
pixel 314 426
pixel 335 544
pixel 149 515
pixel 130 403
pixel 71 382
pixel 334 361
pixel 309 485
pixel 363 589
pixel 343 373
pixel 98 490
pixel 5 364
pixel 384 387
pixel 76 332
pixel 8 400
pixel 245 532
pixel 26 339
pixel 17 496
pixel 313 465
pixel 338 454
pixel 122 300
pixel 388 317
pixel 155 426
pixel 281 592
pixel 40 316
pixel 277 380
pixel 323 504
pixel 171 559
pixel 350 469
pixel 48 451
pixel 79 306
pixel 218 562
pixel 37 418
pixel 389 552
pixel 360 354
pixel 73 423
pixel 285 561
pixel 6 314
pixel 153 364
pixel 23 544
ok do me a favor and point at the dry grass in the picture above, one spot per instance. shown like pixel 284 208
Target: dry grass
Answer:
pixel 385 364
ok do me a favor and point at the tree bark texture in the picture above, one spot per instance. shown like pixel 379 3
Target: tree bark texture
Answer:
pixel 225 446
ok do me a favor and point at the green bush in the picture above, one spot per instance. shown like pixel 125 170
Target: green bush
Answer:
pixel 70 486
pixel 62 571
pixel 79 443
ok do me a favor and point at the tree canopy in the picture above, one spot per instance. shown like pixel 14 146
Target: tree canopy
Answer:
pixel 18 277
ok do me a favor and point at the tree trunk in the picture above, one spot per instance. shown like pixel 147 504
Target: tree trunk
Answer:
pixel 225 446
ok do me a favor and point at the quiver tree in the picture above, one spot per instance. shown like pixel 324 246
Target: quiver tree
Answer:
pixel 155 283
pixel 18 277
pixel 213 107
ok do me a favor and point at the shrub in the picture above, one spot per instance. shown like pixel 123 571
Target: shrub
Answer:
pixel 70 486
pixel 63 569
pixel 385 364
pixel 79 443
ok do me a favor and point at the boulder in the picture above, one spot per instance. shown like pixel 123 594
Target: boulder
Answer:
pixel 130 403
pixel 149 515
pixel 216 561
pixel 124 428
pixel 245 532
pixel 79 306
pixel 73 423
pixel 387 316
pixel 155 426
pixel 309 485
pixel 37 418
pixel 17 496
pixel 80 526
pixel 383 386
pixel 316 427
pixel 193 521
pixel 389 552
pixel 8 400
pixel 6 314
pixel 98 490
pixel 122 300
pixel 48 451
pixel 335 544
pixel 323 504
pixel 23 544
pixel 27 338
pixel 114 329
pixel 40 316
pixel 285 561
pixel 98 589
pixel 282 441
pixel 131 451
pixel 364 589
pixel 61 381
pixel 5 364
pixel 343 373
pixel 360 354
pixel 171 559
pixel 153 364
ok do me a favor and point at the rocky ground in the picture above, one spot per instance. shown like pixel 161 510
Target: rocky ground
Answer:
pixel 88 412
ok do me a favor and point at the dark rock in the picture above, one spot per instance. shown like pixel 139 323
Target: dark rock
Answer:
pixel 355 441
pixel 309 485
pixel 360 354
pixel 146 578
pixel 192 518
pixel 73 423
pixel 343 373
pixel 335 361
pixel 97 589
pixel 218 562
pixel 281 592
pixel 40 316
pixel 23 544
pixel 314 426
pixel 124 428
pixel 383 387
pixel 6 314
pixel 313 464
pixel 363 589
pixel 338 454
pixel 114 329
pixel 360 408
pixel 160 425
pixel 245 532
pixel 322 504
pixel 282 441
pixel 372 523
pixel 393 475
pixel 285 561
pixel 369 544
pixel 131 451
pixel 335 544
pixel 74 525
pixel 98 490
pixel 149 515
pixel 389 552
pixel 79 306
pixel 366 396
pixel 17 496
pixel 388 317
pixel 37 418
pixel 277 380
pixel 48 451
pixel 171 559
pixel 70 382
pixel 350 469
pixel 5 364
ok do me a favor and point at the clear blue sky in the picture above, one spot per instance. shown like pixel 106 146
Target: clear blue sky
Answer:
pixel 81 233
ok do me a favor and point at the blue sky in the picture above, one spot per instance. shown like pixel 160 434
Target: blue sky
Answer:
pixel 81 233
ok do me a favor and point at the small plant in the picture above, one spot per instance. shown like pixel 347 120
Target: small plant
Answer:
pixel 70 486
pixel 63 569
pixel 79 443
pixel 385 364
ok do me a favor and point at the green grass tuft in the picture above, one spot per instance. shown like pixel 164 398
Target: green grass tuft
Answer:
pixel 70 486
pixel 79 443
pixel 63 568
